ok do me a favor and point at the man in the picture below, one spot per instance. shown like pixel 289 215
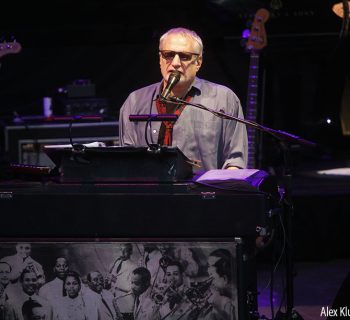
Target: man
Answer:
pixel 5 270
pixel 183 255
pixel 95 294
pixel 29 283
pixel 22 260
pixel 200 135
pixel 53 290
pixel 176 306
pixel 137 304
pixel 150 260
pixel 121 271
pixel 222 300
pixel 33 310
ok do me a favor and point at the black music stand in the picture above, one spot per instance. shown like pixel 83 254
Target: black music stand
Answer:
pixel 120 164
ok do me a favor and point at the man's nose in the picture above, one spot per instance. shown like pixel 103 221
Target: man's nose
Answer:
pixel 176 61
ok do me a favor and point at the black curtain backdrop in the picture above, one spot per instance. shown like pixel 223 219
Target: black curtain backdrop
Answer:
pixel 115 45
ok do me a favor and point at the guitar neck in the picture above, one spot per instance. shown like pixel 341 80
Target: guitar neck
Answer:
pixel 251 106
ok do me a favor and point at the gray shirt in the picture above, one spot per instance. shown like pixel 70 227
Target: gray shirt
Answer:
pixel 200 135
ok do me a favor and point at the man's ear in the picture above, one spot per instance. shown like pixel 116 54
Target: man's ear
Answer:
pixel 198 62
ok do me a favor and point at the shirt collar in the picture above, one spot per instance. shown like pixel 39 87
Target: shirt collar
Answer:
pixel 197 85
pixel 145 294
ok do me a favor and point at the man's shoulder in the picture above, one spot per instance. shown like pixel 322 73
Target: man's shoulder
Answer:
pixel 53 283
pixel 130 263
pixel 107 294
pixel 9 258
pixel 145 91
pixel 207 85
pixel 44 302
pixel 90 295
pixel 140 99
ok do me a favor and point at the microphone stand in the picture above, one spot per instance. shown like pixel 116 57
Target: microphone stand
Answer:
pixel 282 138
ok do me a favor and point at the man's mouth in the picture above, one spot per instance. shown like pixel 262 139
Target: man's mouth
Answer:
pixel 31 289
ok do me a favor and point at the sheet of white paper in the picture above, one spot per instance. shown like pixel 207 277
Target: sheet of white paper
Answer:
pixel 88 145
pixel 224 174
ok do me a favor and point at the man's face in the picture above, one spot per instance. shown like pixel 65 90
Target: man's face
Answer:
pixel 61 268
pixel 30 283
pixel 218 282
pixel 4 274
pixel 23 249
pixel 96 282
pixel 126 251
pixel 188 69
pixel 211 262
pixel 164 248
pixel 72 287
pixel 173 276
pixel 38 313
pixel 137 284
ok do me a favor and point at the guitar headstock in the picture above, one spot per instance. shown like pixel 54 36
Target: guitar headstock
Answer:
pixel 9 47
pixel 257 39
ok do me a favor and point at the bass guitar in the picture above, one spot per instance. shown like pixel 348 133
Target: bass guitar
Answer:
pixel 255 42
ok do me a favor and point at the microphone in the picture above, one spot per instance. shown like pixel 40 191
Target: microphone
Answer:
pixel 174 78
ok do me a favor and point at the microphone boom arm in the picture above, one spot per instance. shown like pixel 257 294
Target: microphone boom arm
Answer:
pixel 278 134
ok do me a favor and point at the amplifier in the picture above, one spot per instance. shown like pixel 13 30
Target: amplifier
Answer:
pixel 86 106
pixel 24 142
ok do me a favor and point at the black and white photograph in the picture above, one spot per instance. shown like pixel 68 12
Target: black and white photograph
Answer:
pixel 118 280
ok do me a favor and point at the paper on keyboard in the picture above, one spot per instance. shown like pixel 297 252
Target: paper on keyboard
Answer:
pixel 240 179
pixel 88 145
pixel 222 174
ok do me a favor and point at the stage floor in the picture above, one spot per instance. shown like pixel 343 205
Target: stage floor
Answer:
pixel 315 286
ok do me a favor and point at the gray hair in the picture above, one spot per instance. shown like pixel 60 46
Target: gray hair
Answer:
pixel 185 33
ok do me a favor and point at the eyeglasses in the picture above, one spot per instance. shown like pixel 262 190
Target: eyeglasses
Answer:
pixel 184 56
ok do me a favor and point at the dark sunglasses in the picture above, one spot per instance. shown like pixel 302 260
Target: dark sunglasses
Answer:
pixel 184 56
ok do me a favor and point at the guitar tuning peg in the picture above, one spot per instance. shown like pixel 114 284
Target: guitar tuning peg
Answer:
pixel 13 38
pixel 2 39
